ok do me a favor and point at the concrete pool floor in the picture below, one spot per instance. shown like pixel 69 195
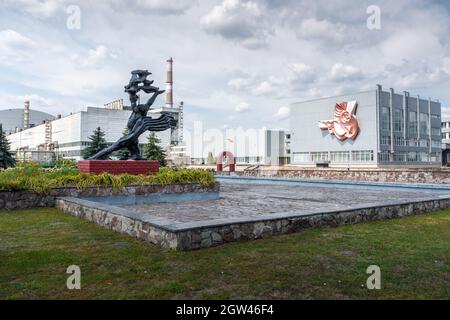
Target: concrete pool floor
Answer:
pixel 249 209
pixel 239 200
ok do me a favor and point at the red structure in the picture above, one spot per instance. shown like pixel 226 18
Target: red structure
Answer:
pixel 219 161
pixel 119 166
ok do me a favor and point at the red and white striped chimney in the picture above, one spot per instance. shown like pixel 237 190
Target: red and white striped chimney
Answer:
pixel 26 114
pixel 169 84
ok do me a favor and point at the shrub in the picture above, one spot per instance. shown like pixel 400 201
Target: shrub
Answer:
pixel 66 163
pixel 43 180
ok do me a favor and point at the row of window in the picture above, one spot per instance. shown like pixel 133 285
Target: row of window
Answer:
pixel 385 156
pixel 402 142
pixel 334 156
pixel 422 124
pixel 248 159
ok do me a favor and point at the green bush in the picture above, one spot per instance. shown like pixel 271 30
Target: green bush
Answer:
pixel 66 163
pixel 32 177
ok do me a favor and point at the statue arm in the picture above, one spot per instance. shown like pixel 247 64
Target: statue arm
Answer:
pixel 153 98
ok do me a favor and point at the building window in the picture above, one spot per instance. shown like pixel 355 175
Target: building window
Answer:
pixel 435 157
pixel 435 116
pixel 423 143
pixel 413 143
pixel 319 156
pixel 423 157
pixel 362 156
pixel 412 123
pixel 301 157
pixel 435 132
pixel 400 141
pixel 384 156
pixel 398 120
pixel 412 157
pixel 340 156
pixel 424 124
pixel 436 143
pixel 385 119
pixel 385 140
pixel 400 157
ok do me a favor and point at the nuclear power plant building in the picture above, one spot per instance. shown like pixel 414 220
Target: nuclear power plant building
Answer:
pixel 68 136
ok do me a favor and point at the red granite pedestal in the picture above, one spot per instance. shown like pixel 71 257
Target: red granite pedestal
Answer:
pixel 115 167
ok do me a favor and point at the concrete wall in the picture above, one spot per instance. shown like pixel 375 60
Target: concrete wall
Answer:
pixel 13 200
pixel 432 176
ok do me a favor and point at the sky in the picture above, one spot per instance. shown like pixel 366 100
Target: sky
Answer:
pixel 237 63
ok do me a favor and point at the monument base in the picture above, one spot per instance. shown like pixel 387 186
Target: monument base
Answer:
pixel 119 166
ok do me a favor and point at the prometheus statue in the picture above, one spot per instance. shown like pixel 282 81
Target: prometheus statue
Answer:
pixel 139 122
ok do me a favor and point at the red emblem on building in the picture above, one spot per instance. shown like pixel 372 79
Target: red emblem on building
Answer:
pixel 344 124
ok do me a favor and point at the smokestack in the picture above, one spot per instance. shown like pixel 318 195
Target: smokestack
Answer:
pixel 26 114
pixel 169 84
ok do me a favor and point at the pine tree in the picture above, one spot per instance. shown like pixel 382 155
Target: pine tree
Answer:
pixel 96 144
pixel 211 158
pixel 6 157
pixel 153 151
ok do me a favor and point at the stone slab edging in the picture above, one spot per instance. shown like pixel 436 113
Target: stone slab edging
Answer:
pixel 27 199
pixel 410 175
pixel 202 234
pixel 328 182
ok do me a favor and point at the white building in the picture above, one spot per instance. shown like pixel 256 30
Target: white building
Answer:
pixel 68 136
pixel 251 147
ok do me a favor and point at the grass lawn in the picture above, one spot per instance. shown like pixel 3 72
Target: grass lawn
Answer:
pixel 36 247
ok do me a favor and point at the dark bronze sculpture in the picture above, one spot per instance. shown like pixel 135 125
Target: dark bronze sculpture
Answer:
pixel 139 122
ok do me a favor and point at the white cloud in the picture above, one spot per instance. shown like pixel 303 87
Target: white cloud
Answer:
pixel 283 113
pixel 239 83
pixel 165 7
pixel 15 47
pixel 321 30
pixel 302 73
pixel 340 72
pixel 264 88
pixel 242 107
pixel 39 8
pixel 94 58
pixel 240 21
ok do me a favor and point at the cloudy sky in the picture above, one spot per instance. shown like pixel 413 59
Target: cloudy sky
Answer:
pixel 237 62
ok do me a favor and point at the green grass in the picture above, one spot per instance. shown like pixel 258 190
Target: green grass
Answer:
pixel 36 247
pixel 39 179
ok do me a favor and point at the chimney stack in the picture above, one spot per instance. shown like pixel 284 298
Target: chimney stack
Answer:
pixel 169 84
pixel 26 114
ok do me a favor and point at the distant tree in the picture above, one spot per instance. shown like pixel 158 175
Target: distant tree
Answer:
pixel 211 159
pixel 6 156
pixel 153 151
pixel 96 144
pixel 123 154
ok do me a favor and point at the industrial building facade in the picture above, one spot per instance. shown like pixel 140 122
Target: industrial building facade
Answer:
pixel 374 128
pixel 68 136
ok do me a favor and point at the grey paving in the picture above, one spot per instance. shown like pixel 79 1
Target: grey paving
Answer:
pixel 241 199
